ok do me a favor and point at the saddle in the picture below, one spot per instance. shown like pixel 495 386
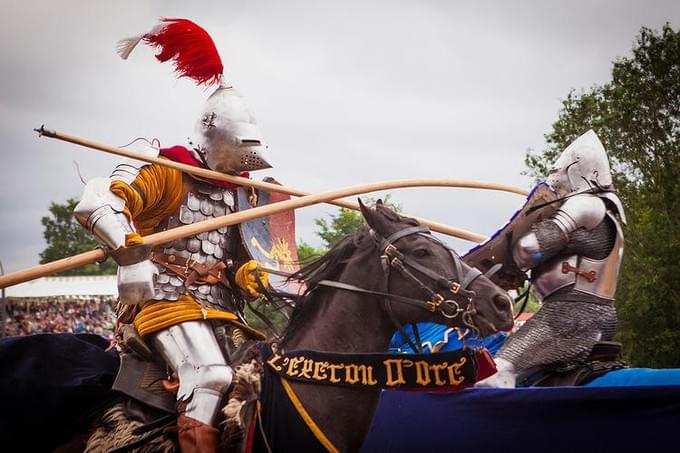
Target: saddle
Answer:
pixel 141 375
pixel 151 409
pixel 605 356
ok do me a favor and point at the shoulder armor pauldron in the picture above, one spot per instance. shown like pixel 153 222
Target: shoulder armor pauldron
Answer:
pixel 128 170
pixel 581 211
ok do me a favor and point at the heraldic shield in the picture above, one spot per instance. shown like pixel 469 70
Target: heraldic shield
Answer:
pixel 498 248
pixel 270 240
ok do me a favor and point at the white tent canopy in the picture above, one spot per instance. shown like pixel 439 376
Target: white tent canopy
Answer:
pixel 77 286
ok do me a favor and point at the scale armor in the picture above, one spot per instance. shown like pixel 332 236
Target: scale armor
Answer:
pixel 203 201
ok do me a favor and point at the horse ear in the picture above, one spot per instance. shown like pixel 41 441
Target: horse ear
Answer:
pixel 372 217
pixel 365 210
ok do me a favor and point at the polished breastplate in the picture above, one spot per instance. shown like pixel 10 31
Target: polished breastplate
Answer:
pixel 590 276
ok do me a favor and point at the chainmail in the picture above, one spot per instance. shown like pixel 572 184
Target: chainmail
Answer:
pixel 560 334
pixel 551 238
pixel 563 332
pixel 596 243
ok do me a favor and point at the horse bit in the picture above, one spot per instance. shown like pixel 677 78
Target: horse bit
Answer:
pixel 392 258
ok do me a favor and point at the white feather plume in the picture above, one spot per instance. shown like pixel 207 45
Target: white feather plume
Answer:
pixel 127 45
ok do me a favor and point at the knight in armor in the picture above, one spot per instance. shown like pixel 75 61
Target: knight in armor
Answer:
pixel 574 258
pixel 184 298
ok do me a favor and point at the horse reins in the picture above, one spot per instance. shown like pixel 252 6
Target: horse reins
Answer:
pixel 392 258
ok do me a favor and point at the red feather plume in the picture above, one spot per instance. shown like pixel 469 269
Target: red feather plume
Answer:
pixel 190 47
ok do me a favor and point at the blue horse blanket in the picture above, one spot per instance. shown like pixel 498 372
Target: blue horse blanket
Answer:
pixel 550 419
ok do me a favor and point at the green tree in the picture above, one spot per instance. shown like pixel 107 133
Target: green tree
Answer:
pixel 275 316
pixel 65 237
pixel 637 117
pixel 343 223
pixel 308 253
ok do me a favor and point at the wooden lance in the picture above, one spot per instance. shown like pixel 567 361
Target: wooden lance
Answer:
pixel 163 237
pixel 387 185
pixel 306 199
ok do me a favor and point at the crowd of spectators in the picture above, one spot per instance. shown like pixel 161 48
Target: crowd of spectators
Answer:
pixel 60 315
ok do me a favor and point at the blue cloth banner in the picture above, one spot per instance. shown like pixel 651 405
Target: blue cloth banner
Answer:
pixel 432 335
pixel 551 419
pixel 638 377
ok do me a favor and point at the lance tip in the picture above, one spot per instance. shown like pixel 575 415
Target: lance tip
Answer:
pixel 46 132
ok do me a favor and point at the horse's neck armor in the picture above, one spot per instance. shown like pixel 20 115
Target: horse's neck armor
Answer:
pixel 202 201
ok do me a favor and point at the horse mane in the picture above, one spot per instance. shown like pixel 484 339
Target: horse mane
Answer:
pixel 325 267
pixel 329 266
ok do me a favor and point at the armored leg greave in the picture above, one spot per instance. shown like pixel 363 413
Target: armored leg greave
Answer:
pixel 190 348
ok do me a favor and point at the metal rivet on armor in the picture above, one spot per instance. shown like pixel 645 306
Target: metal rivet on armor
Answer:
pixel 172 258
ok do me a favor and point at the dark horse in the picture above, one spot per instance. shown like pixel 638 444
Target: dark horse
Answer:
pixel 330 319
pixel 390 273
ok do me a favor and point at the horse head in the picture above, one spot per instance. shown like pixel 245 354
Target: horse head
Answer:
pixel 417 265
pixel 390 273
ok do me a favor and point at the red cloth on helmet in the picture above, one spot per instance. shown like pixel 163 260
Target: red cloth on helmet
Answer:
pixel 182 155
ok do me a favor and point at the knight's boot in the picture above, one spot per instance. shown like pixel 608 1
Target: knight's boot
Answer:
pixel 195 436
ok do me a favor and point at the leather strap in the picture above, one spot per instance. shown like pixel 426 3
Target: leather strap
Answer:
pixel 192 272
pixel 448 308
pixel 590 275
pixel 126 256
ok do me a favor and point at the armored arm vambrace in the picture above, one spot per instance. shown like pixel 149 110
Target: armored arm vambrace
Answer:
pixel 550 236
pixel 102 214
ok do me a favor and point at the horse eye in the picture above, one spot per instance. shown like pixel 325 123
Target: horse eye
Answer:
pixel 421 253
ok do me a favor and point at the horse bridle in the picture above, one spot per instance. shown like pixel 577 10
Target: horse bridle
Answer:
pixel 392 258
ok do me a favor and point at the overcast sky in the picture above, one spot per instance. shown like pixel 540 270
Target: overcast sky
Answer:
pixel 345 92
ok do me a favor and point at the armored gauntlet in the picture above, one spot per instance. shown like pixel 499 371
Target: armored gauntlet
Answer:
pixel 246 278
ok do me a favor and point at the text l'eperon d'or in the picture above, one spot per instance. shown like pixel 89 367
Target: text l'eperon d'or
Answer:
pixel 397 371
